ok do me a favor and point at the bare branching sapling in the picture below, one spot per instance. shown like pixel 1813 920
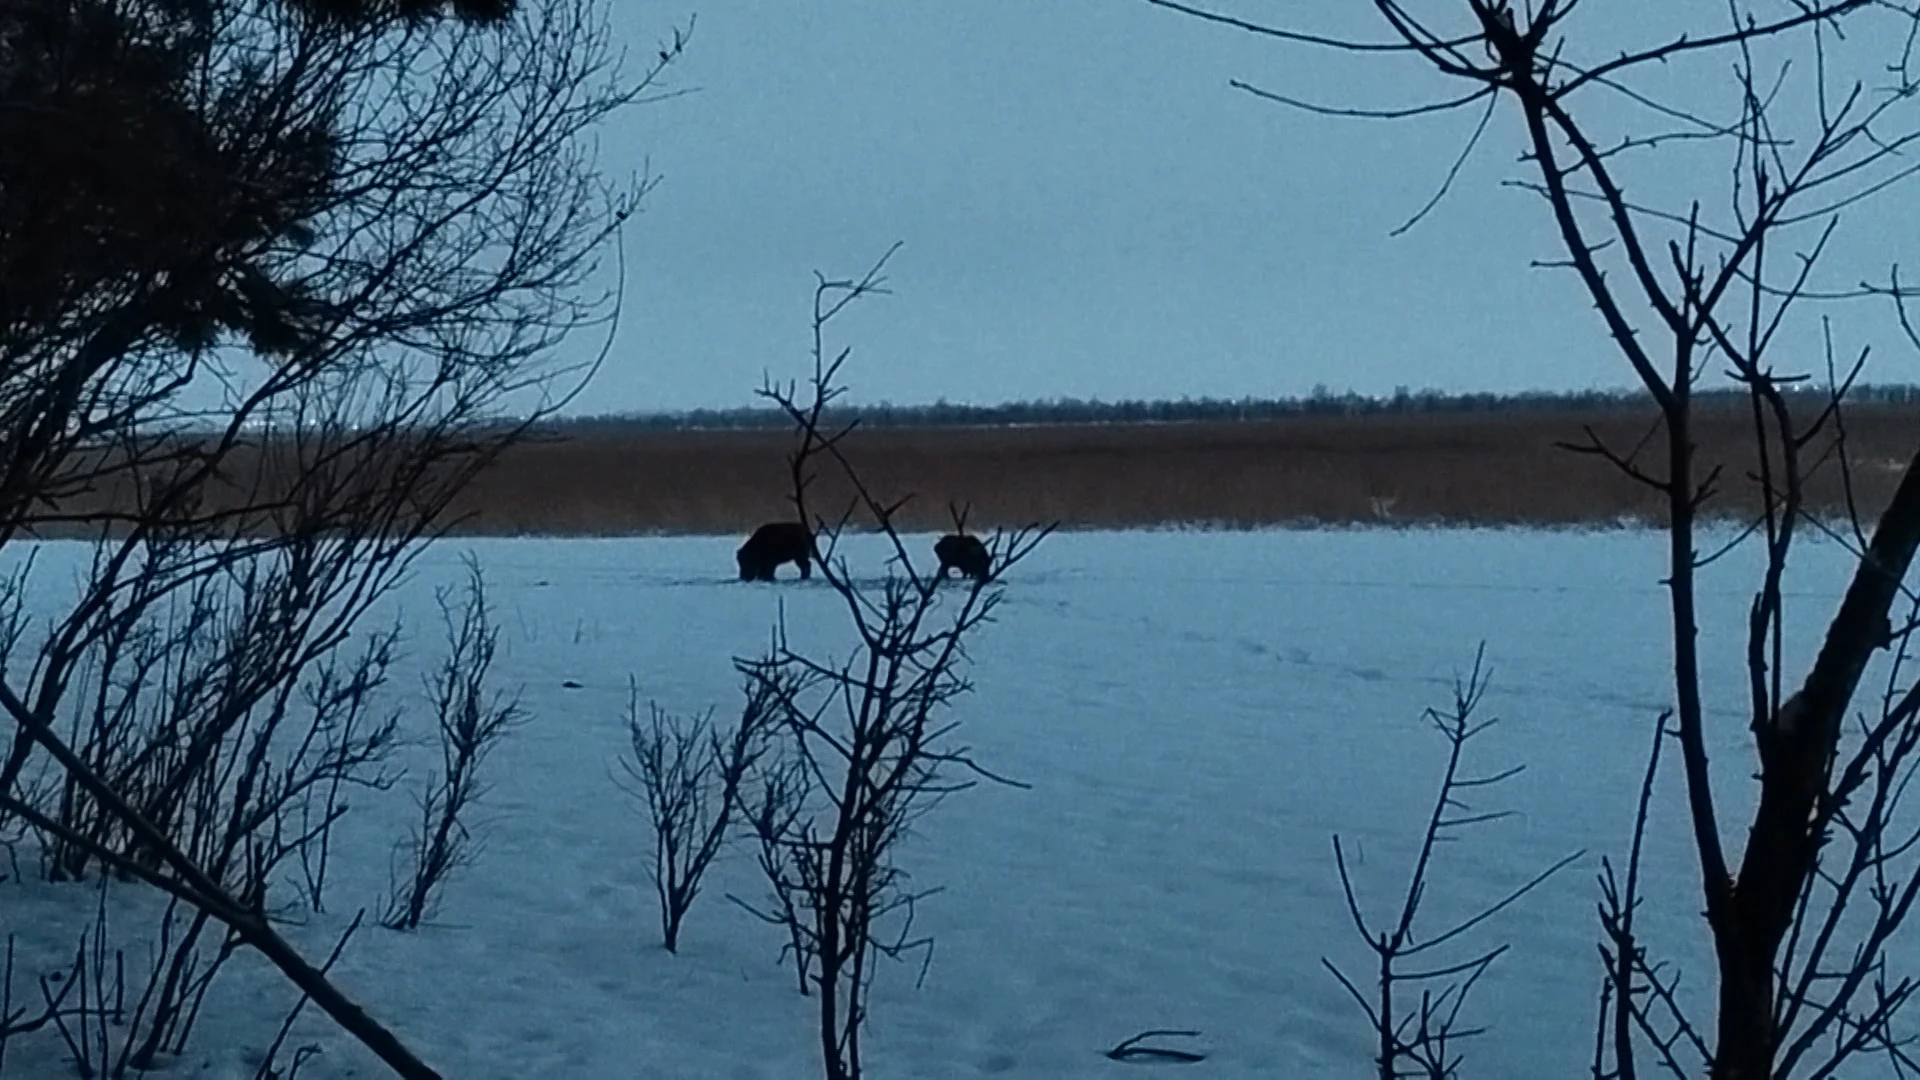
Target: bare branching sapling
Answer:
pixel 472 718
pixel 689 775
pixel 770 808
pixel 1418 993
pixel 867 738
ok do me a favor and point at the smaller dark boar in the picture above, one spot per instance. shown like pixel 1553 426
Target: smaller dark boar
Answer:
pixel 967 554
pixel 774 543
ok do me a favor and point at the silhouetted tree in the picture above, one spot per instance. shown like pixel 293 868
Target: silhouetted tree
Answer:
pixel 271 275
pixel 864 744
pixel 1822 121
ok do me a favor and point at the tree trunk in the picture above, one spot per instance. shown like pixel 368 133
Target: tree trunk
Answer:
pixel 1744 1041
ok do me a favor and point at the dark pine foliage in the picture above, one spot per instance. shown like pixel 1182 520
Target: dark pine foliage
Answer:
pixel 133 184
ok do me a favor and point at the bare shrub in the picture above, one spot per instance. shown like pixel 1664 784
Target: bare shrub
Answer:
pixel 689 775
pixel 1818 126
pixel 235 769
pixel 359 236
pixel 772 811
pixel 868 747
pixel 112 1018
pixel 341 698
pixel 175 703
pixel 471 720
pixel 1421 1037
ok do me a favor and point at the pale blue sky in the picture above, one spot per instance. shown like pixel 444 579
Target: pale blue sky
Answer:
pixel 1087 210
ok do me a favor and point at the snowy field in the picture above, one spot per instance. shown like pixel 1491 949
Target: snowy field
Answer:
pixel 1196 714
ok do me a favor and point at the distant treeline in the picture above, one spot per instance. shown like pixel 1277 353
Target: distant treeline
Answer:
pixel 1321 402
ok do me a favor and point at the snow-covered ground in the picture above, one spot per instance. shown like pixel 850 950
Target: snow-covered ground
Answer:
pixel 1196 714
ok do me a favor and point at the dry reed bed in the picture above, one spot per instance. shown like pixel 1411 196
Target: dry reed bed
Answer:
pixel 1486 468
pixel 1477 469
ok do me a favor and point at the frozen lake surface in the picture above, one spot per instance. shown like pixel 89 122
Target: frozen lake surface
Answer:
pixel 1197 714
